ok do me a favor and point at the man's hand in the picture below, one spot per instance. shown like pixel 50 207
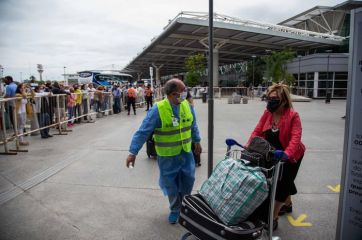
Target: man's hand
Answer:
pixel 131 159
pixel 198 149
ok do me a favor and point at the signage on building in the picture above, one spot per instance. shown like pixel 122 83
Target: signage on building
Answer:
pixel 350 203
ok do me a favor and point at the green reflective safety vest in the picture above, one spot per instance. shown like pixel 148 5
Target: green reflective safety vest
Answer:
pixel 173 136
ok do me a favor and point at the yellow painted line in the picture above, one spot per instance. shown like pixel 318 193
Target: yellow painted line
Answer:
pixel 335 189
pixel 299 221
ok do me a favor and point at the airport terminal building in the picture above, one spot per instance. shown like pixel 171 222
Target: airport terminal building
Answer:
pixel 326 70
pixel 320 36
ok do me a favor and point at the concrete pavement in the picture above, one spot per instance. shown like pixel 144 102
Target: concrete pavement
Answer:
pixel 77 186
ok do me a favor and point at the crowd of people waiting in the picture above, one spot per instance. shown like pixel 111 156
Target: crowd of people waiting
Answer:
pixel 41 106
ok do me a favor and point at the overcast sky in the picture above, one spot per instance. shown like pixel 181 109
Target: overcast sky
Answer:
pixel 94 34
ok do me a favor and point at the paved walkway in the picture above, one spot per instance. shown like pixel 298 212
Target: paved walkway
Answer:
pixel 77 186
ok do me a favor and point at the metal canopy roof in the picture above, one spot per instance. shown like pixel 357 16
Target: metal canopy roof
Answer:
pixel 237 40
pixel 306 15
pixel 322 18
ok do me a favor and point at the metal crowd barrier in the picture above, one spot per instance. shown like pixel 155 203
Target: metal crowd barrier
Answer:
pixel 38 112
pixel 221 92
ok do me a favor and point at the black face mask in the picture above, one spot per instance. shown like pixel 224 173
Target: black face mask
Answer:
pixel 273 105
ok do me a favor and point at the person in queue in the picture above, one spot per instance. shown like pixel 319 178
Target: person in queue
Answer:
pixel 281 126
pixel 98 100
pixel 41 100
pixel 52 101
pixel 10 92
pixel 117 96
pixel 20 106
pixel 173 123
pixel 78 103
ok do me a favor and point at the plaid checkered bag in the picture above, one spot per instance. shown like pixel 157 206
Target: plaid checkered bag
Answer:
pixel 234 190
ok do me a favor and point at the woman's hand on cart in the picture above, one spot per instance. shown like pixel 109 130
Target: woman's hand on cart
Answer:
pixel 281 155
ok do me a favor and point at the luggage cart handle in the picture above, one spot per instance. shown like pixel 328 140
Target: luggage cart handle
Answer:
pixel 280 156
pixel 232 142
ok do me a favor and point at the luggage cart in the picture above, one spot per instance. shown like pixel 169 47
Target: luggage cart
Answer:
pixel 200 220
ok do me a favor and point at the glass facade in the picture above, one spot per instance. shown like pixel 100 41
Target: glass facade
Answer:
pixel 333 82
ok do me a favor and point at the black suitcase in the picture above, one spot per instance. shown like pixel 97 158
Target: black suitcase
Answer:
pixel 150 147
pixel 199 219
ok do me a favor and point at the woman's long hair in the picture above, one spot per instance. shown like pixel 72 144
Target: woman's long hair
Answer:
pixel 18 88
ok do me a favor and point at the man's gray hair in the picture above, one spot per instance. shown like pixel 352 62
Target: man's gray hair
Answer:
pixel 171 86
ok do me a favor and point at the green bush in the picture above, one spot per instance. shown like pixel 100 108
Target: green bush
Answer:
pixel 195 65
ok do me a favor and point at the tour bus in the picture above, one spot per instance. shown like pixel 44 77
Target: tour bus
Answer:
pixel 104 78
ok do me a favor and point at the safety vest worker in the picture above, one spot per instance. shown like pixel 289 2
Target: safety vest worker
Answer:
pixel 173 123
pixel 174 135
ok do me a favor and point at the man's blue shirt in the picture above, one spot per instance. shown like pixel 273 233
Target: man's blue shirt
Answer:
pixel 153 121
pixel 10 90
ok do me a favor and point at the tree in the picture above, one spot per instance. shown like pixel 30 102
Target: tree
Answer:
pixel 41 82
pixel 32 79
pixel 276 66
pixel 195 65
pixel 259 68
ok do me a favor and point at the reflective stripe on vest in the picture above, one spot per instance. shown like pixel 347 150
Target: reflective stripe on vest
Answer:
pixel 172 144
pixel 171 140
pixel 158 132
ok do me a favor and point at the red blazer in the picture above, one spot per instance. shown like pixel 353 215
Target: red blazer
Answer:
pixel 290 132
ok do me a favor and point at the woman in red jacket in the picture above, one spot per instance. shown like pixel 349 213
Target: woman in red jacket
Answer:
pixel 280 125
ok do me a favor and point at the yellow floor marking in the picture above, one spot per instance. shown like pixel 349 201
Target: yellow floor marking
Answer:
pixel 299 221
pixel 335 189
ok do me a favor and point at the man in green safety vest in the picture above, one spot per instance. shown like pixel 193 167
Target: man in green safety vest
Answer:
pixel 173 123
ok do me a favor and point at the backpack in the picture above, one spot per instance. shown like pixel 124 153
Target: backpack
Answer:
pixel 261 151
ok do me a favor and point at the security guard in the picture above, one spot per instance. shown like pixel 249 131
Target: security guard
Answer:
pixel 173 123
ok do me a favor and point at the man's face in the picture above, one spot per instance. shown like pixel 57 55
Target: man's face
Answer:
pixel 176 96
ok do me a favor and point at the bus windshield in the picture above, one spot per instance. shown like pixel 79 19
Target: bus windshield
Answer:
pixel 104 78
pixel 113 78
